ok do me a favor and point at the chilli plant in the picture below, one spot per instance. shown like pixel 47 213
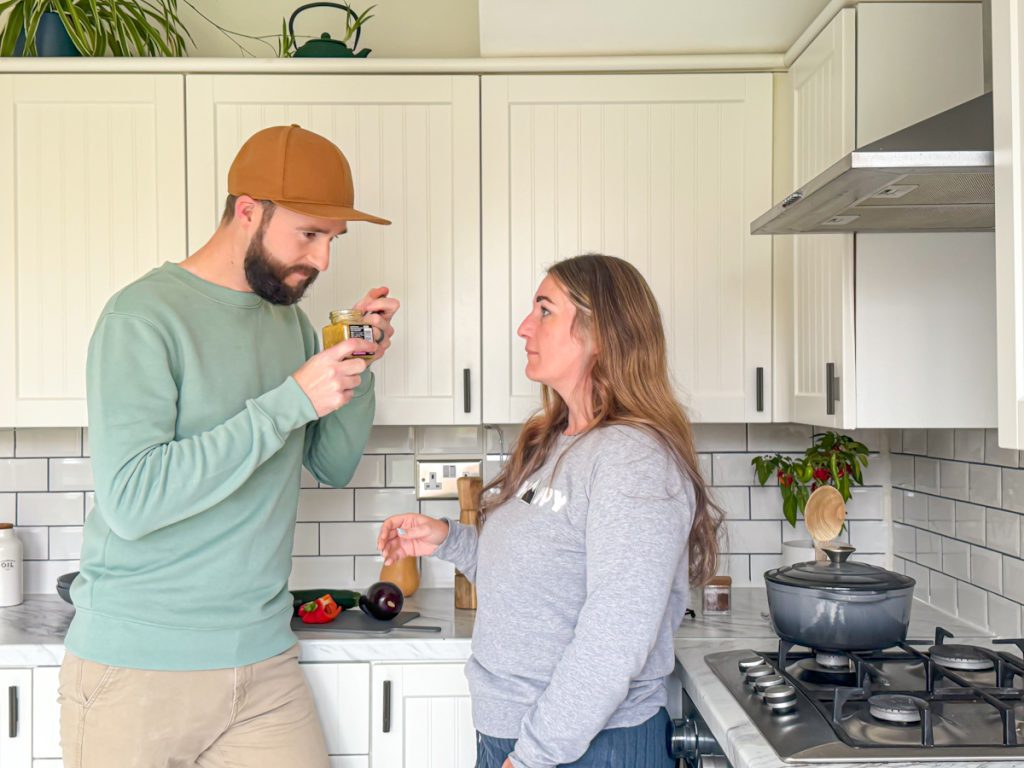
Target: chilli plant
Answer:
pixel 122 27
pixel 833 459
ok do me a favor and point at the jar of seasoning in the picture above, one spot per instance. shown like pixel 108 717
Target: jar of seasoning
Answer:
pixel 348 324
pixel 718 594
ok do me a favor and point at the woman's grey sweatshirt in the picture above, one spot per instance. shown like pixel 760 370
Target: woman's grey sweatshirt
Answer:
pixel 581 582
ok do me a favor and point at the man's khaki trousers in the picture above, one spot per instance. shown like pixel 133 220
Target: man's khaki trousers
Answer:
pixel 258 716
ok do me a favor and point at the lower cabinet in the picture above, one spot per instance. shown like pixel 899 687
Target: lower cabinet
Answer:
pixel 15 718
pixel 421 717
pixel 342 696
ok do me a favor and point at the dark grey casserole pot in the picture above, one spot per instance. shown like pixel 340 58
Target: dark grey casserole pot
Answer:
pixel 839 605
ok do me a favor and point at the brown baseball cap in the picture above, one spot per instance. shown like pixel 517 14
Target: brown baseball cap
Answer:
pixel 298 170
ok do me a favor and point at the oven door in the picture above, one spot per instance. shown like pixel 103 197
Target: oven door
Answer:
pixel 692 743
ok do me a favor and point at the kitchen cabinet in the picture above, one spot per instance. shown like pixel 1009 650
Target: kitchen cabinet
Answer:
pixel 421 717
pixel 93 196
pixel 665 171
pixel 412 142
pixel 875 320
pixel 16 718
pixel 342 696
pixel 45 714
pixel 1008 130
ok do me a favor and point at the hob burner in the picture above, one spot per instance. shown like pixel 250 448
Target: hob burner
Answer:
pixel 896 708
pixel 960 657
pixel 832 660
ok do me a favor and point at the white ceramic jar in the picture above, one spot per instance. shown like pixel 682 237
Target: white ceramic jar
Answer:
pixel 11 592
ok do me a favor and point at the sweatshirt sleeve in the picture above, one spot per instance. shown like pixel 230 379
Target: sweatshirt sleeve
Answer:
pixel 335 443
pixel 145 478
pixel 460 547
pixel 636 535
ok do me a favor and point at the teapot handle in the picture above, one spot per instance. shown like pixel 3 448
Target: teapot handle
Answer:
pixel 339 6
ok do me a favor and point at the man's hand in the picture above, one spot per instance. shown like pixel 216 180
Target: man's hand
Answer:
pixel 378 309
pixel 329 377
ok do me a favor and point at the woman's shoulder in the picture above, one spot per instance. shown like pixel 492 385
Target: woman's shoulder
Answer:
pixel 615 438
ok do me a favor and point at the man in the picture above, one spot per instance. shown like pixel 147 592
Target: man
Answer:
pixel 206 396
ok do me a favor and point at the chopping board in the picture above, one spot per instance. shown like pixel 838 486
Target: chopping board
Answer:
pixel 354 620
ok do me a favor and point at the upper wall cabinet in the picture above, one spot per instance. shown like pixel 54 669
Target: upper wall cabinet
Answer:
pixel 879 356
pixel 412 142
pixel 92 196
pixel 665 171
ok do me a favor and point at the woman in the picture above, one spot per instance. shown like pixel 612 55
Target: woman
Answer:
pixel 591 535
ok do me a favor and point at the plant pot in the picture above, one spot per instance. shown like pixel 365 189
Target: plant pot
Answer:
pixel 52 39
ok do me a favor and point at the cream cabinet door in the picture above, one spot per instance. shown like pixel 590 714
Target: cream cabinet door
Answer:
pixel 45 713
pixel 666 171
pixel 92 196
pixel 342 696
pixel 412 142
pixel 16 718
pixel 1008 129
pixel 421 717
pixel 824 123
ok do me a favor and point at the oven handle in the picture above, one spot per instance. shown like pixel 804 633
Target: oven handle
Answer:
pixel 695 746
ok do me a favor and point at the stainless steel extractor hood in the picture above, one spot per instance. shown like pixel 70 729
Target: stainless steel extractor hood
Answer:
pixel 934 176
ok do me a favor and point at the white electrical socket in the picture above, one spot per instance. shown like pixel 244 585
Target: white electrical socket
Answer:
pixel 439 479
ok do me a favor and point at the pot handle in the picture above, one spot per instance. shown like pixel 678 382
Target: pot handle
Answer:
pixel 339 6
pixel 838 554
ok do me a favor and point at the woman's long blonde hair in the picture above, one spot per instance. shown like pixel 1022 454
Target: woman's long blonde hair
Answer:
pixel 617 312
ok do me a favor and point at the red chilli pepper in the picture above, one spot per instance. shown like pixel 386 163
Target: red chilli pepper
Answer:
pixel 320 611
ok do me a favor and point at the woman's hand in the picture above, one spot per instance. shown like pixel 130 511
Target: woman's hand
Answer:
pixel 410 535
pixel 507 763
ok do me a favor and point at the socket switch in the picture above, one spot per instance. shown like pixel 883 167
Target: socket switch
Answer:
pixel 439 479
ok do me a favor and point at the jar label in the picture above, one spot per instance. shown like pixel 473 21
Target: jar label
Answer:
pixel 361 331
pixel 8 565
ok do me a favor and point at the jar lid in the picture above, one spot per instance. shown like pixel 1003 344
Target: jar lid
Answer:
pixel 839 574
pixel 337 315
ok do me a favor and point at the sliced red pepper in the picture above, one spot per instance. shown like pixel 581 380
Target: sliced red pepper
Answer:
pixel 320 611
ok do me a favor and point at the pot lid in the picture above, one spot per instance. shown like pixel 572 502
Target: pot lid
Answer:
pixel 839 574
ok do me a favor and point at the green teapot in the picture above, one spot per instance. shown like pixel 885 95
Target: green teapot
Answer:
pixel 326 46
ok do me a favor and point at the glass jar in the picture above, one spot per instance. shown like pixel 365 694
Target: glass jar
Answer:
pixel 718 594
pixel 348 324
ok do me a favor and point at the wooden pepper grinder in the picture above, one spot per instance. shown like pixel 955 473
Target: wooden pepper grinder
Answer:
pixel 469 512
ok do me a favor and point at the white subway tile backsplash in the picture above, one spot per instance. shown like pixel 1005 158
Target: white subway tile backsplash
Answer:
pixel 915 441
pixel 368 570
pixel 873 439
pixel 40 576
pixel 6 443
pixel 929 549
pixel 915 509
pixel 8 504
pixel 439 508
pixel 904 541
pixel 18 475
pixel 969 445
pixel 349 538
pixel 970 522
pixel 71 475
pixel 44 443
pixel 705 467
pixel 1003 616
pixel 1013 489
pixel 369 473
pixel 987 569
pixel 317 572
pixel 400 470
pixel 920 576
pixel 956 558
pixel 734 469
pixel 902 470
pixel 325 505
pixel 941 515
pixel 777 437
pixel 895 440
pixel 1013 579
pixel 90 502
pixel 940 443
pixel 390 440
pixel 972 605
pixel 870 535
pixel 1004 457
pixel 35 542
pixel 51 509
pixel 65 542
pixel 865 504
pixel 985 482
pixel 754 536
pixel 735 502
pixel 509 435
pixel 926 475
pixel 736 566
pixel 896 504
pixel 1002 531
pixel 877 472
pixel 450 441
pixel 710 438
pixel 942 589
pixel 381 504
pixel 953 479
pixel 761 563
pixel 765 503
pixel 435 572
pixel 307 539
pixel 85 442
pixel 307 480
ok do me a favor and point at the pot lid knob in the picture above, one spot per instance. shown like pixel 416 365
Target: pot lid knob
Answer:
pixel 838 554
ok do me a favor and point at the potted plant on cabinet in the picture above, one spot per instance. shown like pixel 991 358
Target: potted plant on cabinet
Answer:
pixel 92 28
pixel 833 459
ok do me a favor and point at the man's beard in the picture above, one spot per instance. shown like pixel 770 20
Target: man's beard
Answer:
pixel 267 277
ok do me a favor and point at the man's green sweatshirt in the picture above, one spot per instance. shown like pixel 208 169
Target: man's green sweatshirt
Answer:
pixel 198 434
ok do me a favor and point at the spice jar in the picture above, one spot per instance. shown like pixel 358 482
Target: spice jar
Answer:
pixel 718 594
pixel 348 324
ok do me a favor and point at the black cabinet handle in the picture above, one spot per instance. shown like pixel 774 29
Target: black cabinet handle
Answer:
pixel 387 706
pixel 12 711
pixel 760 389
pixel 465 390
pixel 830 389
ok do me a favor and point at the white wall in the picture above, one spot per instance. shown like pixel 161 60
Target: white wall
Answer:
pixel 399 29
